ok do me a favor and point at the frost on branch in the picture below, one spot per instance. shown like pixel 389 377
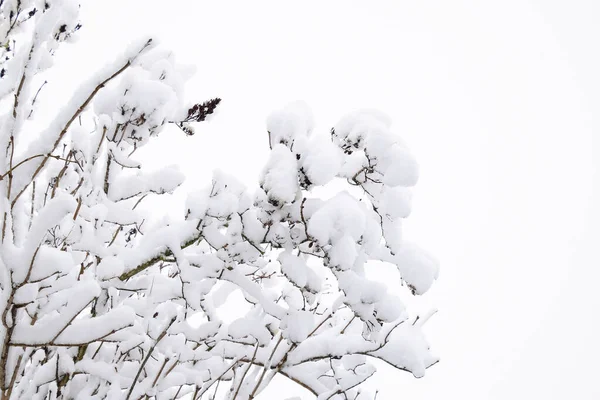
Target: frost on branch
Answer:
pixel 102 299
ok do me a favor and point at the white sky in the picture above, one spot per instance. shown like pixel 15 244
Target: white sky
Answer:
pixel 500 102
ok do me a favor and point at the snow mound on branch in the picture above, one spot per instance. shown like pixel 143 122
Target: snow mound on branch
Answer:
pixel 50 260
pixel 386 155
pixel 353 129
pixel 392 160
pixel 279 179
pixel 395 201
pixel 162 181
pixel 245 327
pixel 390 308
pixel 297 325
pixel 417 267
pixel 320 159
pixel 407 349
pixel 338 217
pixel 294 268
pixel 110 267
pixel 343 253
pixel 139 98
pixel 285 125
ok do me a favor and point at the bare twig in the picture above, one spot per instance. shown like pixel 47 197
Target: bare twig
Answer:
pixel 267 365
pixel 245 372
pixel 212 381
pixel 137 375
pixel 35 98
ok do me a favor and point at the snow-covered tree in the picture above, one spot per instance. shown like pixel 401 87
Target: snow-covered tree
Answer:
pixel 98 303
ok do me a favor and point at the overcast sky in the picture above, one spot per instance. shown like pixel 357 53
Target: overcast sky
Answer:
pixel 500 102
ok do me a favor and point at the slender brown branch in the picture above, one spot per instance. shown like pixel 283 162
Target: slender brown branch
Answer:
pixel 137 203
pixel 13 379
pixel 266 367
pixel 160 371
pixel 60 175
pixel 119 229
pixel 77 187
pixel 28 275
pixel 159 257
pixel 303 219
pixel 32 203
pixel 109 159
pixel 347 325
pixel 261 251
pixel 95 157
pixel 79 202
pixel 299 382
pixel 212 382
pixel 8 173
pixel 245 372
pixel 121 164
pixel 7 336
pixel 9 329
pixel 35 98
pixel 70 321
pixel 172 367
pixel 137 375
pixel 340 391
pixel 294 345
pixel 12 140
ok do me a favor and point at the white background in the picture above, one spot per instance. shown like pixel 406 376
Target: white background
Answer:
pixel 500 102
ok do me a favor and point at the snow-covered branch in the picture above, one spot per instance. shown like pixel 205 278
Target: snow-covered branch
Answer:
pixel 102 298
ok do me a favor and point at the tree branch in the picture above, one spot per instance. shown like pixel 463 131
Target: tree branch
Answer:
pixel 159 257
pixel 137 375
pixel 79 110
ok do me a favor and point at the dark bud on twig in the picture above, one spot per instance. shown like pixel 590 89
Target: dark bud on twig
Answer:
pixel 199 112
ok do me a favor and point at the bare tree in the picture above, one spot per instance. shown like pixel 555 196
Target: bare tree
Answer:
pixel 98 303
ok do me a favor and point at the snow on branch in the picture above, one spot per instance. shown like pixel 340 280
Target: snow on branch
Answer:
pixel 103 298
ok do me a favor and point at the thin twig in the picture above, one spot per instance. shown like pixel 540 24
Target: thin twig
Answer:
pixel 212 382
pixel 137 375
pixel 245 372
pixel 35 98
pixel 265 368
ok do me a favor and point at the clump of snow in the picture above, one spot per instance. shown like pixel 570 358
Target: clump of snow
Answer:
pixel 297 325
pixel 320 160
pixel 26 293
pixel 162 181
pixel 395 201
pixel 340 216
pixel 279 178
pixel 244 327
pixel 390 308
pixel 110 267
pixel 293 121
pixel 407 349
pixel 294 268
pixel 392 160
pixel 343 252
pixel 352 131
pixel 417 267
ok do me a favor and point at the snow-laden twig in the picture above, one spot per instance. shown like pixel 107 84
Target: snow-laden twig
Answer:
pixel 104 297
